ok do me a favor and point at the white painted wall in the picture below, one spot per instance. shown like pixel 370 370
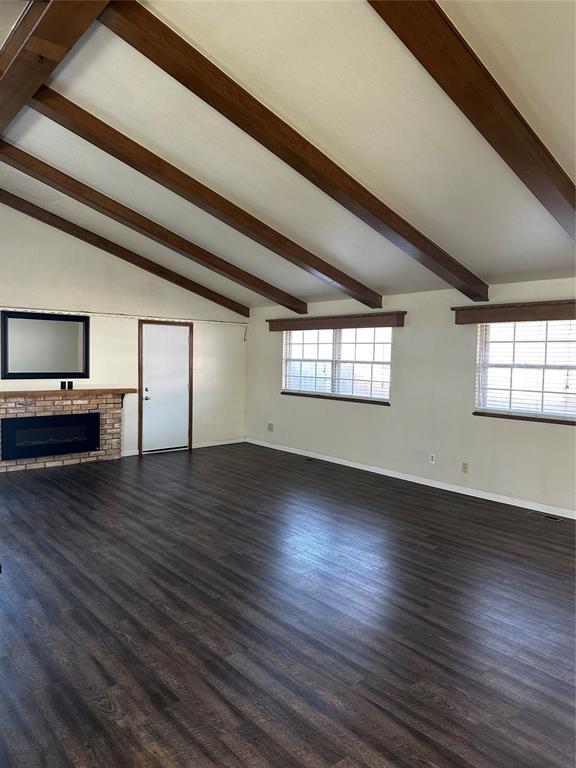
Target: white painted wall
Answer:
pixel 41 268
pixel 433 364
pixel 432 399
pixel 219 382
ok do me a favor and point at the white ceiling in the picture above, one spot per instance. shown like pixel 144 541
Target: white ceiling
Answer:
pixel 10 11
pixel 529 49
pixel 338 74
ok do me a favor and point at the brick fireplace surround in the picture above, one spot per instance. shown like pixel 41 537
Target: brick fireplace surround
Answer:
pixel 108 402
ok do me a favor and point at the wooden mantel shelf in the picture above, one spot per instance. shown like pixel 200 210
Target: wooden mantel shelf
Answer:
pixel 75 393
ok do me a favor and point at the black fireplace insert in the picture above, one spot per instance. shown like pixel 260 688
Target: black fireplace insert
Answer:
pixel 31 436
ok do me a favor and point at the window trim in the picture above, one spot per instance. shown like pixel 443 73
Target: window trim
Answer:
pixel 335 363
pixel 394 319
pixel 518 312
pixel 482 341
pixel 525 417
pixel 342 398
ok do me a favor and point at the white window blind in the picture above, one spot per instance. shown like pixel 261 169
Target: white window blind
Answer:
pixel 350 362
pixel 527 367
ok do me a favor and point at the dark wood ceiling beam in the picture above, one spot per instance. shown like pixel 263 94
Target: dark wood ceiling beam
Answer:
pixel 430 35
pixel 97 132
pixel 22 29
pixel 155 40
pixel 81 192
pixel 40 41
pixel 47 217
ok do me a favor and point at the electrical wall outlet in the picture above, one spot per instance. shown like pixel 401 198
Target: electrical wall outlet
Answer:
pixel 270 427
pixel 431 458
pixel 465 467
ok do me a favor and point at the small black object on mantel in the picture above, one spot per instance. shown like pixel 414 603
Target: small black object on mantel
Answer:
pixel 62 385
pixel 70 385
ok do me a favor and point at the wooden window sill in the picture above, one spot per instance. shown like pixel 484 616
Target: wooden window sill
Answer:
pixel 521 417
pixel 319 396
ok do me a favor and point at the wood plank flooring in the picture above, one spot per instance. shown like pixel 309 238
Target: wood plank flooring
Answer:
pixel 240 607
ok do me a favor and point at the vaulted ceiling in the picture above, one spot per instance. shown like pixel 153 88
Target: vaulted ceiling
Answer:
pixel 339 75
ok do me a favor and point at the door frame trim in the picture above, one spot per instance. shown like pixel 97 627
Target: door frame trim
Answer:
pixel 141 324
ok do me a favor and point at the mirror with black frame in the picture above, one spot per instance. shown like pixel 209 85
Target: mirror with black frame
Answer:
pixel 37 345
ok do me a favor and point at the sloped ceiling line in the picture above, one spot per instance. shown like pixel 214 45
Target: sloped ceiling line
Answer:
pixel 50 35
pixel 22 29
pixel 431 37
pixel 43 36
pixel 155 40
pixel 84 194
pixel 97 132
pixel 57 222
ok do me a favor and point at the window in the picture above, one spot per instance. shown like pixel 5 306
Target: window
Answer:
pixel 527 368
pixel 347 362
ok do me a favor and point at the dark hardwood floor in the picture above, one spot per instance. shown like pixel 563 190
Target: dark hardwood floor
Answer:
pixel 240 607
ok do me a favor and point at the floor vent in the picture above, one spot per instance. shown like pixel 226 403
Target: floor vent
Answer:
pixel 553 518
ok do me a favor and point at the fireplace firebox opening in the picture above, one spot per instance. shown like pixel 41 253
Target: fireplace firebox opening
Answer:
pixel 32 436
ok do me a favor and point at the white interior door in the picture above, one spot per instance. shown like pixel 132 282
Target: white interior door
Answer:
pixel 165 386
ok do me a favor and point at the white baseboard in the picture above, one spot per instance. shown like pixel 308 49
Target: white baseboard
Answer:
pixel 535 505
pixel 194 445
pixel 219 442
